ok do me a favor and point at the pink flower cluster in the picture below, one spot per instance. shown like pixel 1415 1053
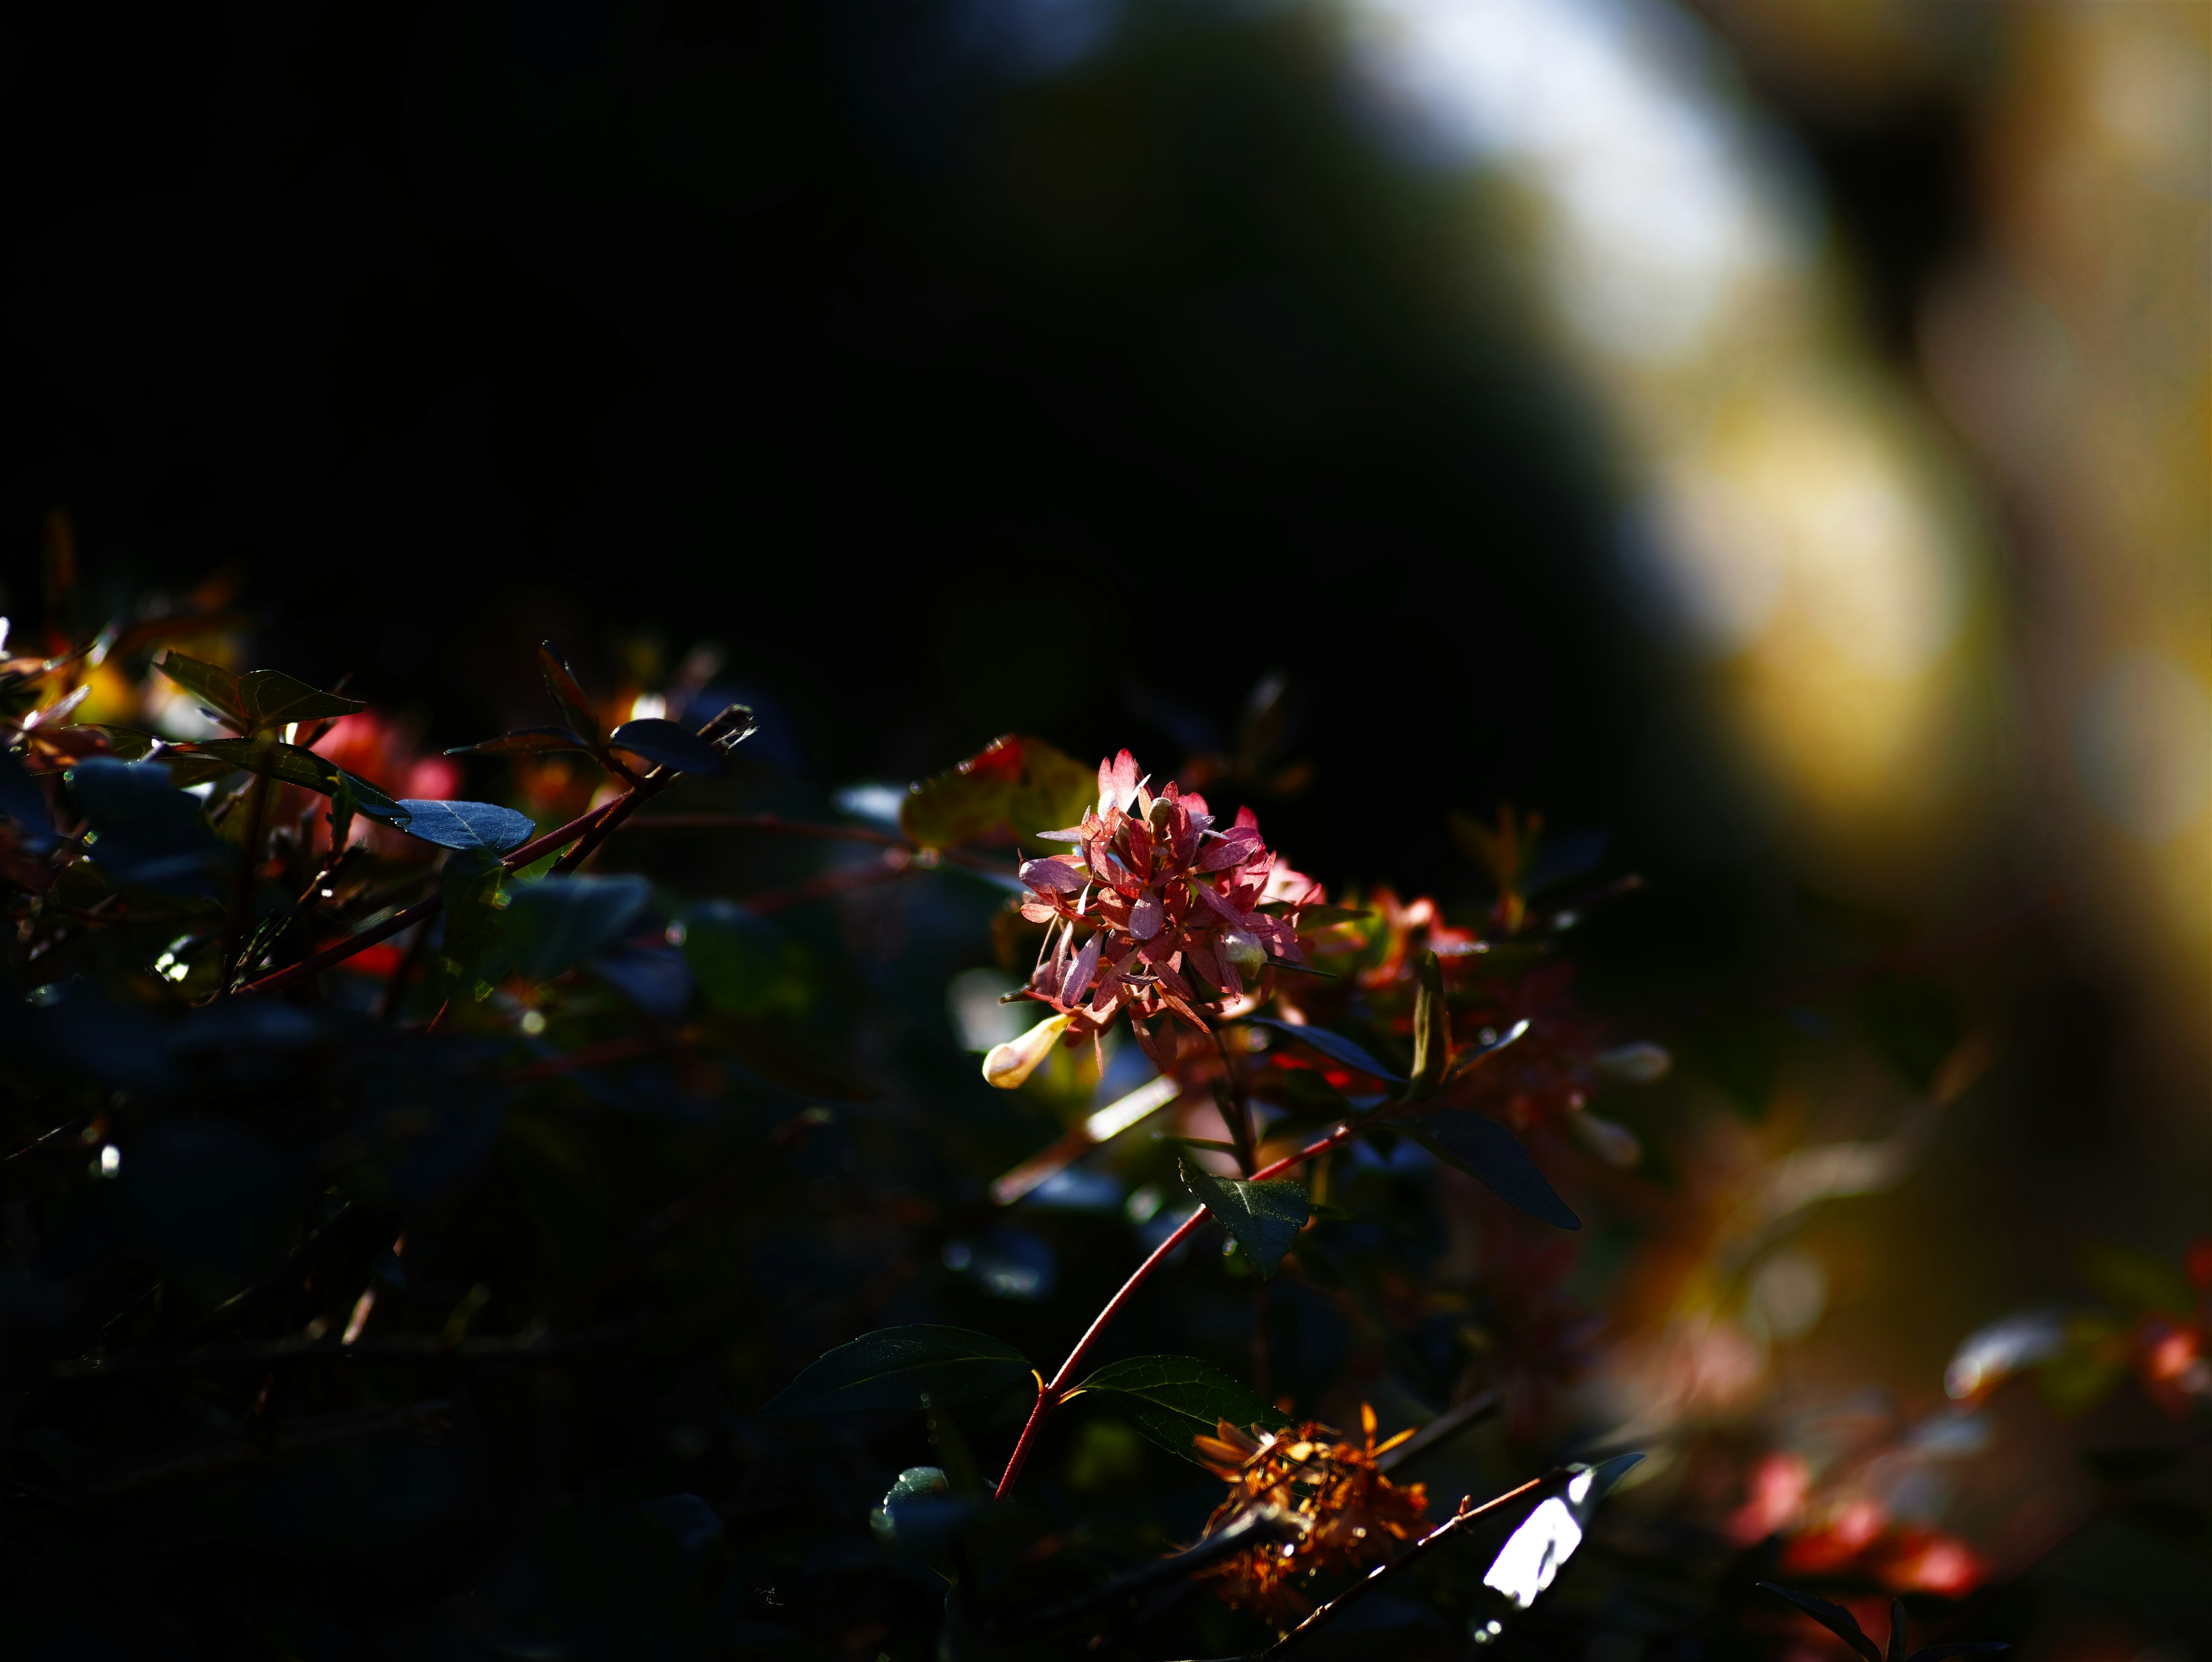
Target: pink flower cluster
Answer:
pixel 1180 917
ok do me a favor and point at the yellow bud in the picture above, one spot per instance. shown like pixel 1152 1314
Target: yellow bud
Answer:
pixel 1009 1064
pixel 1243 949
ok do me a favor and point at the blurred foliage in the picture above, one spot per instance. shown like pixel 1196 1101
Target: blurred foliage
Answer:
pixel 418 1244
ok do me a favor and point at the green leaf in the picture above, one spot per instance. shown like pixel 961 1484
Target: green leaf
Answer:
pixel 270 698
pixel 743 964
pixel 345 803
pixel 1834 1617
pixel 1172 1399
pixel 215 1205
pixel 1015 787
pixel 215 687
pixel 1264 1217
pixel 525 742
pixel 1913 1025
pixel 554 924
pixel 145 830
pixel 466 824
pixel 671 746
pixel 1432 1032
pixel 1483 1149
pixel 128 743
pixel 899 1367
pixel 560 682
pixel 295 764
pixel 470 886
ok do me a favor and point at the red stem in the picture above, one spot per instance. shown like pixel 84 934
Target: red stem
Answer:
pixel 1049 1395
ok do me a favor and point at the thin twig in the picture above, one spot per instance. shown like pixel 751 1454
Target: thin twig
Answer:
pixel 1381 1573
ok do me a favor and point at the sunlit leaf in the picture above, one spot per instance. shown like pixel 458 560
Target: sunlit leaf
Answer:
pixel 294 764
pixel 1264 1217
pixel 1172 1399
pixel 211 684
pixel 466 824
pixel 270 698
pixel 671 745
pixel 1534 1553
pixel 897 1368
pixel 1483 1149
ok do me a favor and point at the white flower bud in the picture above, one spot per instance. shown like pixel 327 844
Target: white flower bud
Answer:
pixel 1009 1064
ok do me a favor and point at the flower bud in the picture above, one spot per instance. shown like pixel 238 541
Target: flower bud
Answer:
pixel 1242 948
pixel 1009 1064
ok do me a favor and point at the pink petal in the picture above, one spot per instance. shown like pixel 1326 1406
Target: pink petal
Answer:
pixel 1117 782
pixel 1039 910
pixel 1246 820
pixel 1080 971
pixel 1145 918
pixel 1051 876
pixel 1206 892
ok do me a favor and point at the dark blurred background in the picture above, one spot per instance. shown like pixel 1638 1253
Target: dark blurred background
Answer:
pixel 1772 432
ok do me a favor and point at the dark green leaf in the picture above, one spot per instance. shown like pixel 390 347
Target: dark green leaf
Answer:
pixel 1334 1046
pixel 744 965
pixel 897 1368
pixel 146 832
pixel 1913 1025
pixel 554 924
pixel 1172 1399
pixel 128 743
pixel 525 742
pixel 1431 1031
pixel 466 824
pixel 471 917
pixel 294 764
pixel 1834 1617
pixel 671 745
pixel 1264 1217
pixel 560 682
pixel 345 801
pixel 270 698
pixel 214 686
pixel 1482 1148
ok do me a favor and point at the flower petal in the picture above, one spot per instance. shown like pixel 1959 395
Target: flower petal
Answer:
pixel 1010 1064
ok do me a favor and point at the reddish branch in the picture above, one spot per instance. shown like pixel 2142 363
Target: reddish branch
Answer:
pixel 1060 1384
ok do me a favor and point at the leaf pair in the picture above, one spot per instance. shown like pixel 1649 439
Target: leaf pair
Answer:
pixel 664 743
pixel 1170 1399
pixel 259 701
pixel 447 824
pixel 1842 1623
